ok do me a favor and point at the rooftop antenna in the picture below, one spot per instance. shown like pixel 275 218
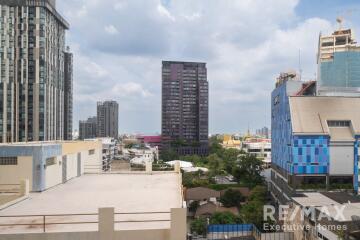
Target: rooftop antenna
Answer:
pixel 340 21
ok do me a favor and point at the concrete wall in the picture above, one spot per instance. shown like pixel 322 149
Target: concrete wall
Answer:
pixel 107 230
pixel 89 163
pixel 13 174
pixel 156 234
pixel 53 174
pixel 32 162
pixel 341 159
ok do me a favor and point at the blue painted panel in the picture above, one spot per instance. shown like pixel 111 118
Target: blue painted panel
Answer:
pixel 310 155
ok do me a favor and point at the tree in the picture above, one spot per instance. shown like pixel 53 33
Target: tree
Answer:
pixel 215 164
pixel 252 212
pixel 197 179
pixel 215 146
pixel 198 226
pixel 248 170
pixel 193 206
pixel 168 155
pixel 258 194
pixel 231 198
pixel 195 159
pixel 224 218
pixel 230 156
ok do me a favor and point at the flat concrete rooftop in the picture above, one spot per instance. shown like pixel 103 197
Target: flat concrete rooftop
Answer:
pixel 127 193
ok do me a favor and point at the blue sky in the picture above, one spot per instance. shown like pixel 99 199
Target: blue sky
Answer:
pixel 119 45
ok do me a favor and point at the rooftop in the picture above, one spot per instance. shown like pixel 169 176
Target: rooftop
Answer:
pixel 351 211
pixel 310 114
pixel 127 193
pixel 314 199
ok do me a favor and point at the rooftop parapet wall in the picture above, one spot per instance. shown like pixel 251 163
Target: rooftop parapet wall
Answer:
pixel 49 4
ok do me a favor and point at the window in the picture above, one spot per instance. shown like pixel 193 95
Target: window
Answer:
pixel 342 123
pixel 327 44
pixel 8 161
pixel 92 152
pixel 277 100
pixel 50 161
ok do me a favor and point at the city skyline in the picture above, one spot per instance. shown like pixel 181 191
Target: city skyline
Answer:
pixel 125 52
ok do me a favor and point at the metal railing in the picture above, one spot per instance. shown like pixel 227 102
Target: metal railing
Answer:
pixel 43 222
pixel 226 231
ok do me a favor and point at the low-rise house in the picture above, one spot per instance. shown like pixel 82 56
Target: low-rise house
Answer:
pixel 202 195
pixel 208 209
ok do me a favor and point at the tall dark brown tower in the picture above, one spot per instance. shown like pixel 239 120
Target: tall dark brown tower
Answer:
pixel 185 107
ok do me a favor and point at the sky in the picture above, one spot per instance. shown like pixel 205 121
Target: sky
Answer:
pixel 118 47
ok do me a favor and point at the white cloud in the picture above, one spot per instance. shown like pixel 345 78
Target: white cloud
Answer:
pixel 164 12
pixel 130 89
pixel 120 5
pixel 245 43
pixel 111 29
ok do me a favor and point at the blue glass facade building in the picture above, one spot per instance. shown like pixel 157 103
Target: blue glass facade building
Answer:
pixel 300 158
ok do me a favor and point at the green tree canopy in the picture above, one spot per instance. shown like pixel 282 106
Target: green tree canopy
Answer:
pixel 198 226
pixel 215 164
pixel 168 155
pixel 258 194
pixel 252 212
pixel 231 198
pixel 224 218
pixel 248 170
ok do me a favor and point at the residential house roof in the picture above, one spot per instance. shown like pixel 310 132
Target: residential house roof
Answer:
pixel 209 209
pixel 200 193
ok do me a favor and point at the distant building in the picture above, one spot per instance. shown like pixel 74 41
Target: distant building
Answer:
pixel 152 141
pixel 32 63
pixel 185 103
pixel 109 150
pixel 261 148
pixel 339 64
pixel 263 132
pixel 107 119
pixel 68 95
pixel 87 128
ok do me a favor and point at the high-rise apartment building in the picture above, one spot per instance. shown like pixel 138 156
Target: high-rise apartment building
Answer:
pixel 87 128
pixel 32 71
pixel 108 119
pixel 339 65
pixel 68 95
pixel 185 103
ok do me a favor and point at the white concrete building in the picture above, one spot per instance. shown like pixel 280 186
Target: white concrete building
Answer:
pixel 47 164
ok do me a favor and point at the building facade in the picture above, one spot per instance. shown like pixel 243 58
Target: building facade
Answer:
pixel 108 119
pixel 68 95
pixel 314 146
pixel 339 65
pixel 32 59
pixel 185 104
pixel 87 128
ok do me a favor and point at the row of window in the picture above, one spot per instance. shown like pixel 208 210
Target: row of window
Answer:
pixel 8 161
